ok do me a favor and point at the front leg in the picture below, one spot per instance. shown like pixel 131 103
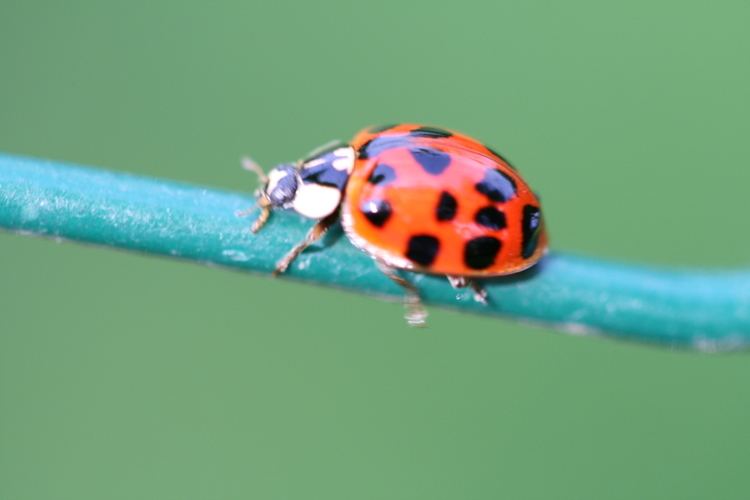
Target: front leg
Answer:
pixel 313 235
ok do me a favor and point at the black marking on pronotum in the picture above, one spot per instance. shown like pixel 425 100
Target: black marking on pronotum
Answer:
pixel 433 161
pixel 531 227
pixel 480 253
pixel 446 207
pixel 377 145
pixel 422 249
pixel 491 218
pixel 432 132
pixel 325 174
pixel 381 128
pixel 377 211
pixel 497 186
pixel 382 174
pixel 503 158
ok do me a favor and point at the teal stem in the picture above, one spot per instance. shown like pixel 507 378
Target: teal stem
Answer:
pixel 708 310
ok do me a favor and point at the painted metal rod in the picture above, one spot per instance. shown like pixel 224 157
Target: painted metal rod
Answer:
pixel 708 310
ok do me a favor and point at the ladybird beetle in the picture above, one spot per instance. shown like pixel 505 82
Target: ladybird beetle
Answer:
pixel 414 198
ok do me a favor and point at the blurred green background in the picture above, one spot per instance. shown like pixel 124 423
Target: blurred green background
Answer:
pixel 123 376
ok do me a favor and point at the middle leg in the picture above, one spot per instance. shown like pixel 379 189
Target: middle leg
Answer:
pixel 480 294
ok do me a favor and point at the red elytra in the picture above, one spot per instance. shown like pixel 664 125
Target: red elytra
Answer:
pixel 446 201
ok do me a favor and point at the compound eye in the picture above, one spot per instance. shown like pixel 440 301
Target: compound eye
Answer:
pixel 282 185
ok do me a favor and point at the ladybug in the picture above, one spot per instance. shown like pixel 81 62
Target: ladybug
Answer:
pixel 414 198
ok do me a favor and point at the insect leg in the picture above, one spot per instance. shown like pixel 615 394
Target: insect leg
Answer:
pixel 480 294
pixel 416 314
pixel 313 235
pixel 265 206
pixel 457 281
pixel 265 213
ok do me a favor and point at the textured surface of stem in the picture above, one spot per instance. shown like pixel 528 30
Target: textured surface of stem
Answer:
pixel 706 310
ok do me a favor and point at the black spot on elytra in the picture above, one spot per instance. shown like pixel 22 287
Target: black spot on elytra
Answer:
pixel 531 227
pixel 433 161
pixel 446 207
pixel 377 211
pixel 480 253
pixel 377 145
pixel 432 132
pixel 497 186
pixel 381 128
pixel 501 157
pixel 382 174
pixel 422 249
pixel 491 218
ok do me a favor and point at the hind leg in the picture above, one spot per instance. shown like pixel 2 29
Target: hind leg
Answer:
pixel 416 314
pixel 480 294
